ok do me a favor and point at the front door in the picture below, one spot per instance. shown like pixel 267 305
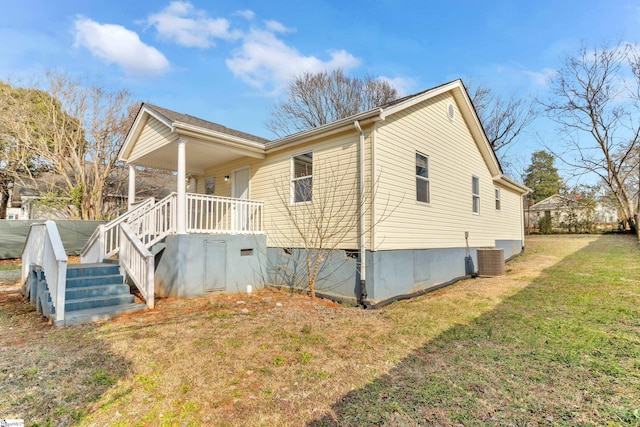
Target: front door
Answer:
pixel 240 190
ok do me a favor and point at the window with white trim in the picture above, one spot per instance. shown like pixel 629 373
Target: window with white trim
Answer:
pixel 475 191
pixel 302 177
pixel 497 190
pixel 422 178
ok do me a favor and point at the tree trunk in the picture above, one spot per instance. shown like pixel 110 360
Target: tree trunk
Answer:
pixel 4 199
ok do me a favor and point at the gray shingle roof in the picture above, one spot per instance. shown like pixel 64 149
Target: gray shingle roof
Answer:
pixel 174 116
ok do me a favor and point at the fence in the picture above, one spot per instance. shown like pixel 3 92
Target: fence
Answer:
pixel 74 235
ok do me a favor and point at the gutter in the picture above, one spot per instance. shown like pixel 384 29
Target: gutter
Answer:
pixel 514 185
pixel 362 232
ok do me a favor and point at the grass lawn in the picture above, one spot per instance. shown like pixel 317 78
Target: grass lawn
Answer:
pixel 554 342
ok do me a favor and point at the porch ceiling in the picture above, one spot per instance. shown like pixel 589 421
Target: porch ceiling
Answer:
pixel 200 155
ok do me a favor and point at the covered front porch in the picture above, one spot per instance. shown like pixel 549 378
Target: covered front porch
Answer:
pixel 188 146
pixel 184 244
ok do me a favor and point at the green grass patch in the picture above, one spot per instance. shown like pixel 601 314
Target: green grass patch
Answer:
pixel 564 351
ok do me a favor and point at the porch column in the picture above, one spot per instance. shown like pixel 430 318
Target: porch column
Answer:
pixel 131 198
pixel 181 205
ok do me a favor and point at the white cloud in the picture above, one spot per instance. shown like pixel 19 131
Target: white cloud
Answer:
pixel 117 45
pixel 404 85
pixel 277 27
pixel 249 15
pixel 543 77
pixel 266 62
pixel 182 23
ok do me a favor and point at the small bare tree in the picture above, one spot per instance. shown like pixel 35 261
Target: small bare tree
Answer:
pixel 596 114
pixel 320 213
pixel 315 99
pixel 85 126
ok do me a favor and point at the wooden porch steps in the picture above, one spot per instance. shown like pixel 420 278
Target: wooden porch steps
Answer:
pixel 94 292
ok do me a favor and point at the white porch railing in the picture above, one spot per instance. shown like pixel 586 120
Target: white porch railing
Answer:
pixel 104 243
pixel 155 224
pixel 138 262
pixel 43 247
pixel 216 214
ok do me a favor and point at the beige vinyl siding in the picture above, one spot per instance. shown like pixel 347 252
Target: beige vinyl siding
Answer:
pixel 510 215
pixel 154 135
pixel 335 171
pixel 453 159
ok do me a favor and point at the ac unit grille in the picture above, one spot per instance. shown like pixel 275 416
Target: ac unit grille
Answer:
pixel 490 262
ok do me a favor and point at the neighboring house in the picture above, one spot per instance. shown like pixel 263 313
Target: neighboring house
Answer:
pixel 19 205
pixel 570 214
pixel 422 166
pixel 33 199
pixel 15 213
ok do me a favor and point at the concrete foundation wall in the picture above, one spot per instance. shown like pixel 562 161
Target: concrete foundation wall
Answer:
pixel 511 247
pixel 398 272
pixel 389 273
pixel 194 265
pixel 337 275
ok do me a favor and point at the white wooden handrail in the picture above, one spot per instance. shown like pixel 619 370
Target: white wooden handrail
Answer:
pixel 217 214
pixel 103 243
pixel 43 247
pixel 137 262
pixel 156 223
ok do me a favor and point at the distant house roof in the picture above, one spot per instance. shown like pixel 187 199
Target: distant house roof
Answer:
pixel 555 201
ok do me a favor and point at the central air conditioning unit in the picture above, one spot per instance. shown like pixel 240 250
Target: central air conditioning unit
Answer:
pixel 490 262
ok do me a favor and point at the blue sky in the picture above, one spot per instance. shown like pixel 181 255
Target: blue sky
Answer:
pixel 228 62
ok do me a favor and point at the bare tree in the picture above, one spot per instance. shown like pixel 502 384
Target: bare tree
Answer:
pixel 596 114
pixel 319 210
pixel 315 99
pixel 503 120
pixel 17 162
pixel 85 126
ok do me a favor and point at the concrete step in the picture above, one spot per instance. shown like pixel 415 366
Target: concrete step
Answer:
pixel 94 302
pixel 96 291
pixel 94 269
pixel 83 281
pixel 99 314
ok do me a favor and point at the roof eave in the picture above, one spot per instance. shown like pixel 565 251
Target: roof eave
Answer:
pixel 136 130
pixel 332 128
pixel 207 134
pixel 420 98
pixel 513 184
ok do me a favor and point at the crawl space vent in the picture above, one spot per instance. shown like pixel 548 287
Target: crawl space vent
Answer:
pixel 451 112
pixel 490 262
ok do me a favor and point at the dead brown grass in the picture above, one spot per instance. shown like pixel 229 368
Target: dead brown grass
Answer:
pixel 266 359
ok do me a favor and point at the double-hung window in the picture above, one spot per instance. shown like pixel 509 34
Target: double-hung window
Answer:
pixel 302 177
pixel 497 190
pixel 422 178
pixel 475 191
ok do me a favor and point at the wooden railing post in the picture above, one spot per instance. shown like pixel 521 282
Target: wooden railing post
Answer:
pixel 150 281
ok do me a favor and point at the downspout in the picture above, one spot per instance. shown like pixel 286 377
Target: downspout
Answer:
pixel 362 232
